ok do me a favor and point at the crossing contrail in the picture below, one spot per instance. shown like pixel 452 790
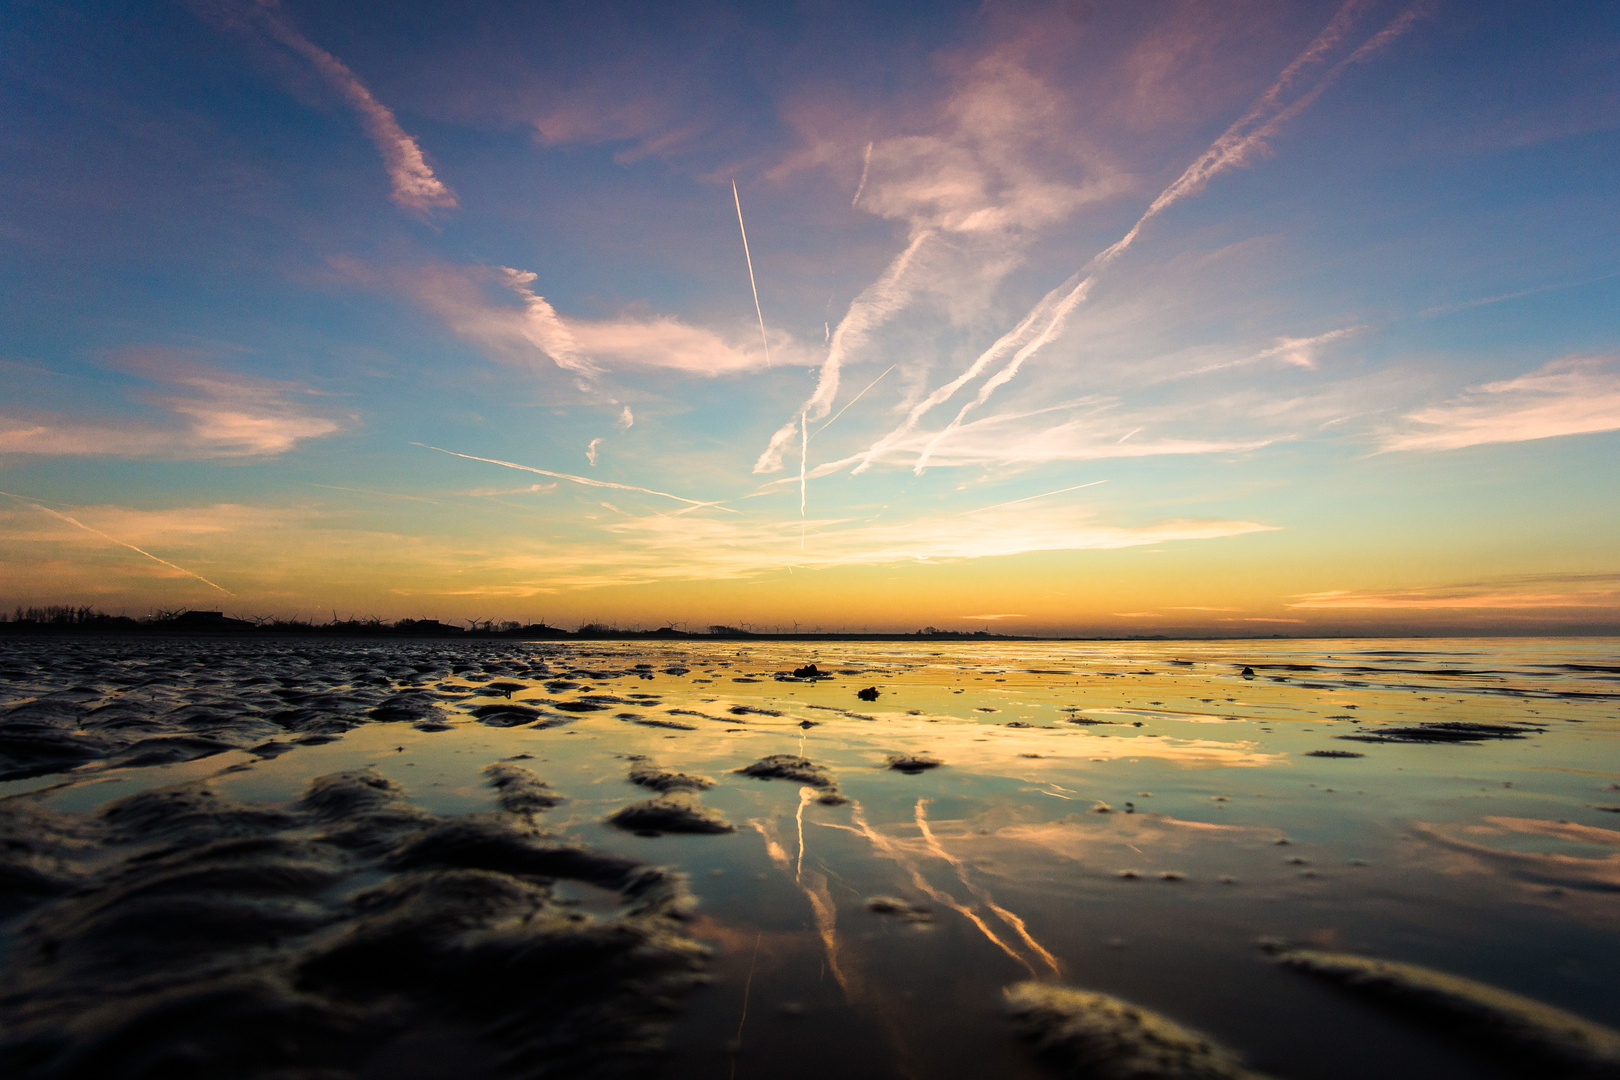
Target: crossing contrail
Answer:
pixel 587 481
pixel 751 284
pixel 120 543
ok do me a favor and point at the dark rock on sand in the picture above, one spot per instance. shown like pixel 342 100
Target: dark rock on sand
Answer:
pixel 663 780
pixel 177 933
pixel 1092 1036
pixel 809 671
pixel 678 813
pixel 912 764
pixel 1552 1042
pixel 868 694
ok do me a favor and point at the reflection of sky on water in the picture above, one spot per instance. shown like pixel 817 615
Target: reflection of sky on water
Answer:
pixel 1143 861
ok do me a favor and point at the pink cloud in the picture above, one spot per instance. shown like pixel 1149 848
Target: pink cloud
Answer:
pixel 476 303
pixel 1571 396
pixel 415 187
pixel 213 414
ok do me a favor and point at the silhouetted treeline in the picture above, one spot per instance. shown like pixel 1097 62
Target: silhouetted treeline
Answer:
pixel 55 619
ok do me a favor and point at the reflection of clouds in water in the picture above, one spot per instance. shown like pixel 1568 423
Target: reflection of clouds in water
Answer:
pixel 1543 868
pixel 1084 839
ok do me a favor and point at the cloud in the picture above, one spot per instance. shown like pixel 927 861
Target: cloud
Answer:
pixel 476 303
pixel 1534 591
pixel 1244 139
pixel 976 617
pixel 415 187
pixel 1569 396
pixel 212 414
pixel 591 450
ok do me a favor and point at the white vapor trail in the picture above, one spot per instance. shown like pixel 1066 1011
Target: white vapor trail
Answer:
pixel 415 186
pixel 856 398
pixel 804 455
pixel 1244 138
pixel 876 303
pixel 757 309
pixel 587 481
pixel 115 540
pixel 866 163
pixel 1042 495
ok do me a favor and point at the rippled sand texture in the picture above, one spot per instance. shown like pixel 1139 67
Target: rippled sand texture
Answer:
pixel 421 859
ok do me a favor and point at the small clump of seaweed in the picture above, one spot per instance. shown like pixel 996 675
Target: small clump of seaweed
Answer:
pixel 1560 1042
pixel 1093 1036
pixel 870 693
pixel 1334 753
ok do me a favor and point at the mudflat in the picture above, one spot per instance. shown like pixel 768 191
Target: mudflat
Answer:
pixel 1322 859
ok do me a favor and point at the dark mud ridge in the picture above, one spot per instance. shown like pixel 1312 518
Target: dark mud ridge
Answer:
pixel 1085 1034
pixel 798 769
pixel 1446 732
pixel 1542 1040
pixel 66 703
pixel 349 934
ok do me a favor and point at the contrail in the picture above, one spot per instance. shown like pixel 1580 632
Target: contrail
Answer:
pixel 854 399
pixel 757 309
pixel 866 163
pixel 1234 146
pixel 120 543
pixel 587 481
pixel 804 455
pixel 1042 495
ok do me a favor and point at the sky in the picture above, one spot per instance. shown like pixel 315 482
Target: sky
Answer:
pixel 1181 317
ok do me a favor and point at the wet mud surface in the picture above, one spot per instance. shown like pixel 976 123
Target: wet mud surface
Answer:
pixel 504 859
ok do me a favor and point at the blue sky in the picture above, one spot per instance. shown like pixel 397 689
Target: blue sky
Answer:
pixel 1167 317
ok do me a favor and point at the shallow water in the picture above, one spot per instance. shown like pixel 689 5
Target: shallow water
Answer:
pixel 1125 817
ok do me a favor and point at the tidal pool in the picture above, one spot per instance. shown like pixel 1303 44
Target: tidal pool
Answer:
pixel 1162 822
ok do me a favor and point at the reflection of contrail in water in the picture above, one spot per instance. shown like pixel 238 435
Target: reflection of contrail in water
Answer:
pixel 120 543
pixel 821 901
pixel 983 894
pixel 757 309
pixel 806 795
pixel 887 847
pixel 587 481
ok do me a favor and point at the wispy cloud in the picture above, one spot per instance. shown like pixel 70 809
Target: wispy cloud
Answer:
pixel 1244 139
pixel 1531 591
pixel 1570 396
pixel 477 304
pixel 415 187
pixel 213 414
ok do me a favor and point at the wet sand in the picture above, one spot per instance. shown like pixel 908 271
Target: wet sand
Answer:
pixel 362 858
